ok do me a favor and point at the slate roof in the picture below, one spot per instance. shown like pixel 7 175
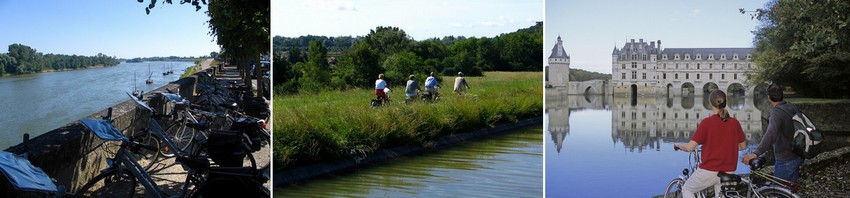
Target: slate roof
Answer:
pixel 558 50
pixel 704 52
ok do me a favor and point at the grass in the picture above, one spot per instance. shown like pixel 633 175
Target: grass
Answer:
pixel 192 70
pixel 325 126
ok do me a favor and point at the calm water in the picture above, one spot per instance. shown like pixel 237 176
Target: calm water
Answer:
pixel 615 147
pixel 38 103
pixel 509 165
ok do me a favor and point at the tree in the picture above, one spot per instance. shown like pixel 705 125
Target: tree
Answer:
pixel 401 65
pixel 388 40
pixel 359 67
pixel 316 72
pixel 804 44
pixel 214 55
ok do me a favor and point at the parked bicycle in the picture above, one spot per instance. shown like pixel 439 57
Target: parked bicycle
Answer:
pixel 731 185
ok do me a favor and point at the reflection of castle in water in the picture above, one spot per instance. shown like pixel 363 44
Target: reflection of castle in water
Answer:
pixel 647 122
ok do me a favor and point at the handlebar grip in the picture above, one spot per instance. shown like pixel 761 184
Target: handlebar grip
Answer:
pixel 675 148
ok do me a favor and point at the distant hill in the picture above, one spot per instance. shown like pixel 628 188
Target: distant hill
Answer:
pixel 583 75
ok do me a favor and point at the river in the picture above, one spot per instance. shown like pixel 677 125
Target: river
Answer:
pixel 38 103
pixel 507 165
pixel 613 146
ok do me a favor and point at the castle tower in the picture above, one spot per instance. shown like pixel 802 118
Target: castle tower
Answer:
pixel 559 66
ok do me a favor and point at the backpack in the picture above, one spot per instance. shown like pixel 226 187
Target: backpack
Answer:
pixel 807 138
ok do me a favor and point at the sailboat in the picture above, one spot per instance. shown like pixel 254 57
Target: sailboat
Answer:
pixel 136 92
pixel 149 81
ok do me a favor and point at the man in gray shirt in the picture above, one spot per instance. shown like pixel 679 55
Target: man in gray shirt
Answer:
pixel 412 87
pixel 780 129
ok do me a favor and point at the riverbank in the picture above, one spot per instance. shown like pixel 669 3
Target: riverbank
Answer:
pixel 323 127
pixel 54 70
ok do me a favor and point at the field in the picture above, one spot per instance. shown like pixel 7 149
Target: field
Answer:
pixel 319 127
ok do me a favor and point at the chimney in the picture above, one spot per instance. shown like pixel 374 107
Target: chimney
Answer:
pixel 659 44
pixel 641 41
pixel 652 44
pixel 633 41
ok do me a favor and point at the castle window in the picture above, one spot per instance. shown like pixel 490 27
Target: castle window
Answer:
pixel 664 56
pixel 644 66
pixel 697 76
pixel 644 57
pixel 711 56
pixel 634 56
pixel 676 76
pixel 699 56
pixel 665 65
pixel 736 76
pixel 688 56
pixel 624 76
pixel 722 65
pixel 677 57
pixel 677 65
pixel 687 65
pixel 634 65
pixel 736 65
pixel 624 66
pixel 665 76
pixel 697 65
pixel 687 75
pixel 644 76
pixel 710 76
pixel 723 56
pixel 722 76
pixel 634 74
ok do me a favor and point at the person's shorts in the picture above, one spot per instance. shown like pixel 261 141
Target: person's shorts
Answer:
pixel 431 90
pixel 380 92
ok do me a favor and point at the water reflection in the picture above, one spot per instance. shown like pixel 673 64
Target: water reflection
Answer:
pixel 644 122
pixel 599 141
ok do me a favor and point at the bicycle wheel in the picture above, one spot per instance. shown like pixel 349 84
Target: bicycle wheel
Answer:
pixel 147 158
pixel 674 189
pixel 181 136
pixel 110 184
pixel 771 191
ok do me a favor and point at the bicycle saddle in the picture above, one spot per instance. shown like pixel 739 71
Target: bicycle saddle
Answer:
pixel 726 177
pixel 201 126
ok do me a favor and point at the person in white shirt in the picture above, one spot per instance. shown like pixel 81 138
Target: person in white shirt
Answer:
pixel 460 84
pixel 380 84
pixel 430 83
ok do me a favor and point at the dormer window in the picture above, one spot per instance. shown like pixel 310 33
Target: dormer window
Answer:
pixel 735 57
pixel 699 57
pixel 723 56
pixel 664 56
pixel 634 56
pixel 748 56
pixel 711 56
pixel 687 56
pixel 677 56
pixel 644 57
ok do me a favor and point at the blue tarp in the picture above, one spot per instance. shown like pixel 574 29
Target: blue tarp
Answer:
pixel 104 129
pixel 140 103
pixel 23 175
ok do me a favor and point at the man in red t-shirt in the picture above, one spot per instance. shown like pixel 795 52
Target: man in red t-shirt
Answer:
pixel 721 138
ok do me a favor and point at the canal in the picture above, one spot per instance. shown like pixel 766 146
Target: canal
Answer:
pixel 506 165
pixel 609 146
pixel 38 103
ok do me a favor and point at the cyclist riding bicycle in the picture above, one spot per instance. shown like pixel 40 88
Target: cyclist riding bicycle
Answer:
pixel 412 88
pixel 720 136
pixel 430 83
pixel 460 84
pixel 380 84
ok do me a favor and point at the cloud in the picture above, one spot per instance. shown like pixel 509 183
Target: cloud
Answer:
pixel 695 13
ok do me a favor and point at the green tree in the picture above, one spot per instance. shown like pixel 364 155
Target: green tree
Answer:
pixel 804 44
pixel 401 65
pixel 359 67
pixel 388 40
pixel 316 72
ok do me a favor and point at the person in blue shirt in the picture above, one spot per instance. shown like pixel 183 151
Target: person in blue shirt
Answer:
pixel 430 85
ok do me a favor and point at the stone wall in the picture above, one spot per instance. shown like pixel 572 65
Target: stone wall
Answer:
pixel 72 154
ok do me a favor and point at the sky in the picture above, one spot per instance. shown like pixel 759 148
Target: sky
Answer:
pixel 420 19
pixel 591 29
pixel 113 27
